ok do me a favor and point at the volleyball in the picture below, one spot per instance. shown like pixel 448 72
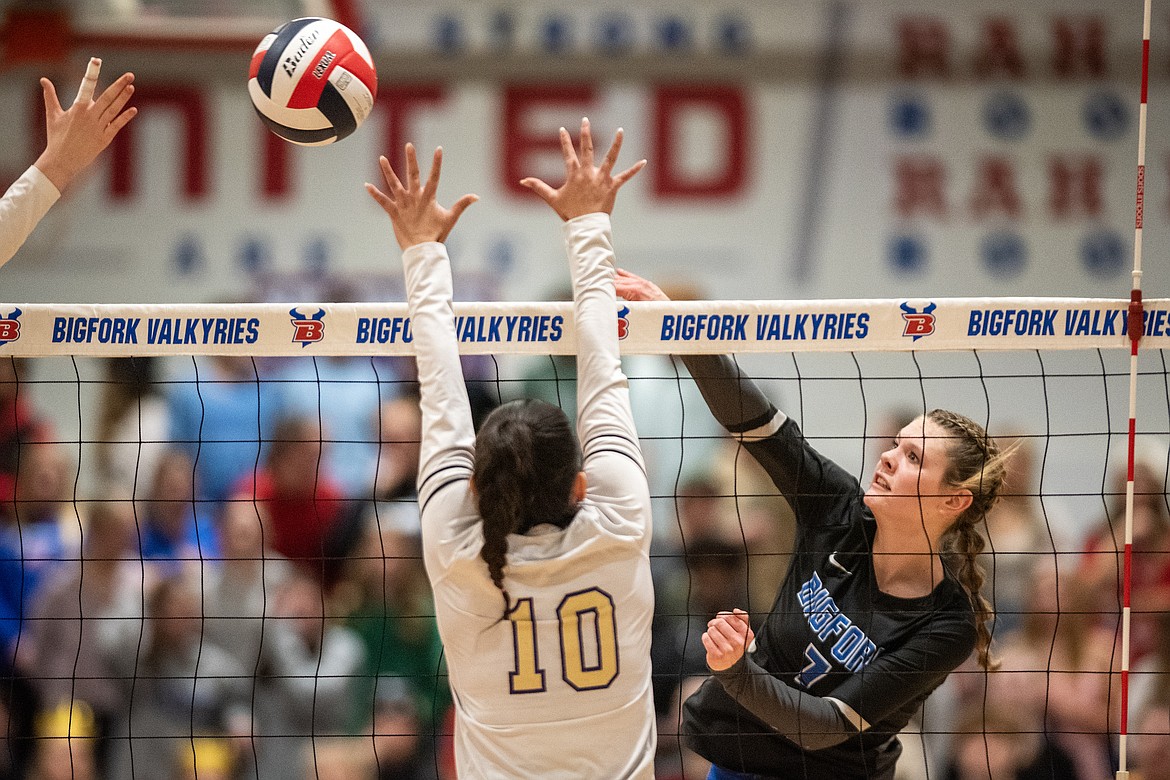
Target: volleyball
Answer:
pixel 312 81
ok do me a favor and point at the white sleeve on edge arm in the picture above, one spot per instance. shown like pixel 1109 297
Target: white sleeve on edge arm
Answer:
pixel 448 435
pixel 603 399
pixel 24 204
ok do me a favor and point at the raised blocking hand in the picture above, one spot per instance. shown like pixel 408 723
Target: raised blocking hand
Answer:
pixel 413 208
pixel 78 135
pixel 587 189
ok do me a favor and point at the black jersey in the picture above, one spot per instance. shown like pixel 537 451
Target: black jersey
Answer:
pixel 831 633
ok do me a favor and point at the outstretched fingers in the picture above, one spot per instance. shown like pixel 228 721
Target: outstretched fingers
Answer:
pixel 611 159
pixel 611 156
pixel 461 205
pixel 116 105
pixel 448 217
pixel 412 174
pixel 120 121
pixel 392 182
pixel 540 187
pixel 382 199
pixel 414 211
pixel 115 97
pixel 52 105
pixel 432 188
pixel 586 144
pixel 89 81
pixel 629 173
pixel 567 150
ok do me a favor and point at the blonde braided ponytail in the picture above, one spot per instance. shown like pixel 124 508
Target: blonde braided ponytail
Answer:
pixel 979 465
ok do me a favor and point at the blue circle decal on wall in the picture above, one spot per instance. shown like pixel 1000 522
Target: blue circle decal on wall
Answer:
pixel 910 116
pixel 254 255
pixel 317 256
pixel 556 34
pixel 1005 254
pixel 615 34
pixel 189 259
pixel 1007 116
pixel 732 34
pixel 1106 116
pixel 907 254
pixel 674 34
pixel 1103 254
pixel 448 35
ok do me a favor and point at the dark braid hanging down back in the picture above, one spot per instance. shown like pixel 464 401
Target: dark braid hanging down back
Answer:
pixel 526 459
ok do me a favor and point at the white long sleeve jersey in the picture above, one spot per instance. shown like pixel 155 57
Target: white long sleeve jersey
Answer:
pixel 561 687
pixel 24 205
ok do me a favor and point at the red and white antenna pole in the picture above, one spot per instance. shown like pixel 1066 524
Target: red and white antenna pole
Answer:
pixel 1136 327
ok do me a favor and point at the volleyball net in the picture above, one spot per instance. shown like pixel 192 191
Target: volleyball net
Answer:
pixel 209 550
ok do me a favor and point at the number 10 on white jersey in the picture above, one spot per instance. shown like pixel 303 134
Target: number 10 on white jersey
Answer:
pixel 588 642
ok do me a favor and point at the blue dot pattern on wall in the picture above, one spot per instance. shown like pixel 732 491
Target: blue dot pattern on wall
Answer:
pixel 554 35
pixel 1106 116
pixel 1103 254
pixel 673 34
pixel 907 254
pixel 317 256
pixel 1007 116
pixel 910 116
pixel 188 256
pixel 448 35
pixel 254 256
pixel 615 33
pixel 733 35
pixel 501 256
pixel 1005 254
pixel 503 29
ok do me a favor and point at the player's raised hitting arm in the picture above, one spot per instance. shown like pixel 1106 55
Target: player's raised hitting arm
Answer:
pixel 75 138
pixel 733 398
pixel 807 482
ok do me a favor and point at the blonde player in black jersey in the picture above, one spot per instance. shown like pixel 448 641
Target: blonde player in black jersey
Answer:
pixel 537 548
pixel 881 602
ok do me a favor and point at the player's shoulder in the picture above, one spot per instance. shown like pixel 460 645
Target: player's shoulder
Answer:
pixel 605 520
pixel 951 617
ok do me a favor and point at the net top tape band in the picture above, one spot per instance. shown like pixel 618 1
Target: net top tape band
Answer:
pixel 677 327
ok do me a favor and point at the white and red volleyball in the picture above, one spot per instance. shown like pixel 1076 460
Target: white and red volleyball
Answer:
pixel 312 81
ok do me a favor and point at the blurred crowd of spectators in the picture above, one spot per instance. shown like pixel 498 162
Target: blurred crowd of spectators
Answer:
pixel 244 595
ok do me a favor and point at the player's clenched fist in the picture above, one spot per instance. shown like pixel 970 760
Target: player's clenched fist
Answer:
pixel 728 636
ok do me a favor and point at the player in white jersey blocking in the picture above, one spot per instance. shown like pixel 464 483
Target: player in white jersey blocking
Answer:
pixel 537 547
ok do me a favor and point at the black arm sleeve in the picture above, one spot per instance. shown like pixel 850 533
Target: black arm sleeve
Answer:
pixel 813 485
pixel 809 721
pixel 733 398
